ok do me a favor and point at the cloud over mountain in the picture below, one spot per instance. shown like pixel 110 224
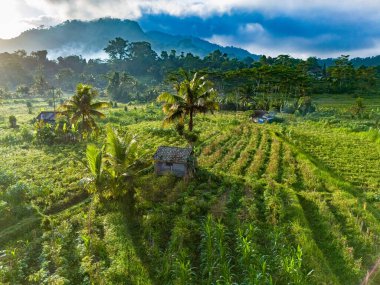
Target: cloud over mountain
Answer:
pixel 297 27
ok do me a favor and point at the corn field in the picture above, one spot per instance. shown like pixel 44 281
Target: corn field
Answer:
pixel 270 204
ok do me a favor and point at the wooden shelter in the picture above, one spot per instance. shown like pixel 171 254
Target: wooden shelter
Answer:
pixel 175 160
pixel 261 117
pixel 47 116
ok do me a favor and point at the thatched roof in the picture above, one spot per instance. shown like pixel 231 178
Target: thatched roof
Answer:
pixel 173 154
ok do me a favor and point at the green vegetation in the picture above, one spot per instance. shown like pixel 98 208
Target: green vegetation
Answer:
pixel 289 203
pixel 194 95
pixel 295 202
pixel 81 108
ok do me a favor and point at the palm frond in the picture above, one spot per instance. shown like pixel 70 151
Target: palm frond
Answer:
pixel 100 105
pixel 94 157
pixel 115 147
pixel 174 116
pixel 169 98
pixel 75 117
pixel 97 113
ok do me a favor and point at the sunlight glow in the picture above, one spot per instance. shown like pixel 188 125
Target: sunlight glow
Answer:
pixel 11 23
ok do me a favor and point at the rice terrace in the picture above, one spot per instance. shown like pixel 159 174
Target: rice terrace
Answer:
pixel 174 160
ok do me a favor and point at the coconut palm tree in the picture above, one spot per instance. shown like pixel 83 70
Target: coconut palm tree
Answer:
pixel 114 165
pixel 194 95
pixel 82 108
pixel 94 158
pixel 121 156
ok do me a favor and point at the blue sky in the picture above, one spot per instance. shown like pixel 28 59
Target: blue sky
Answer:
pixel 300 28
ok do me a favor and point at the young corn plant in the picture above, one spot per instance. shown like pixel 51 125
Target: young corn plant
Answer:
pixel 225 269
pixel 208 252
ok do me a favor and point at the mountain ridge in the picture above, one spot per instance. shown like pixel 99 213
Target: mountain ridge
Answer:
pixel 89 38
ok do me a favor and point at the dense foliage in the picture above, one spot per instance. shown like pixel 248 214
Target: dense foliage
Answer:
pixel 135 72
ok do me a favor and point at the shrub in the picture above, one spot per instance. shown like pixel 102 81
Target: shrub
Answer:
pixel 191 137
pixel 12 121
pixel 44 133
pixel 29 106
pixel 26 134
pixel 6 178
pixel 17 193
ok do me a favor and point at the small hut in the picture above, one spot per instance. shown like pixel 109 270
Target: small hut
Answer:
pixel 261 117
pixel 47 116
pixel 175 160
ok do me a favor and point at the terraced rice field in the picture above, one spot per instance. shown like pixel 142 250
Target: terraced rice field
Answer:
pixel 271 204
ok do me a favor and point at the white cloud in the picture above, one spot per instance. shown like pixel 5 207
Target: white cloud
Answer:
pixel 24 14
pixel 294 46
pixel 252 28
pixel 90 9
pixel 42 20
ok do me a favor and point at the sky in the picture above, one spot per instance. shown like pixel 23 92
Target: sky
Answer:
pixel 300 28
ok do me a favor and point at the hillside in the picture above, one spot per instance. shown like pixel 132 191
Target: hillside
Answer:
pixel 89 38
pixel 292 203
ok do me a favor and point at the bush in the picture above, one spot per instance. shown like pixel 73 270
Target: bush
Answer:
pixel 17 193
pixel 29 106
pixel 191 137
pixel 305 105
pixel 6 178
pixel 12 121
pixel 44 133
pixel 26 134
pixel 289 109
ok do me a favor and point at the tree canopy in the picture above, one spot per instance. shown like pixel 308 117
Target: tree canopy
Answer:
pixel 194 94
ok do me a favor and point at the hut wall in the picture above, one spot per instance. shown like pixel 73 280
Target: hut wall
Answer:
pixel 178 169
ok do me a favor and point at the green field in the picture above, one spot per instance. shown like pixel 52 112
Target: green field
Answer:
pixel 296 202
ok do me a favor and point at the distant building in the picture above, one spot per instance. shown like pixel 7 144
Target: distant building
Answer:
pixel 261 117
pixel 175 160
pixel 47 116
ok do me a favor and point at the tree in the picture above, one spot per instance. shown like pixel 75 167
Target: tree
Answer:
pixel 81 107
pixel 305 105
pixel 114 164
pixel 194 95
pixel 65 77
pixel 40 55
pixel 23 90
pixel 94 158
pixel 142 57
pixel 117 49
pixel 246 96
pixel 121 86
pixel 342 74
pixel 358 108
pixel 29 106
pixel 121 155
pixel 40 85
pixel 365 78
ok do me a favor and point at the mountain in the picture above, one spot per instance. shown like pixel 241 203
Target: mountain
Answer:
pixel 162 41
pixel 88 38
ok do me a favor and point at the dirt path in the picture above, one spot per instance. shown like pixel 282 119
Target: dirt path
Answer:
pixel 371 273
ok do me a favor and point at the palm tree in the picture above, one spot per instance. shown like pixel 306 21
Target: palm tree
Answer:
pixel 246 95
pixel 114 165
pixel 194 95
pixel 94 157
pixel 81 108
pixel 121 156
